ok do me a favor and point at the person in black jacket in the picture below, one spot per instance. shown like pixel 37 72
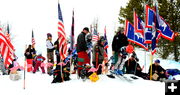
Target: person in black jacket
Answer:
pixel 82 49
pixel 132 67
pixel 119 41
pixel 157 70
pixel 30 51
pixel 81 41
pixel 60 74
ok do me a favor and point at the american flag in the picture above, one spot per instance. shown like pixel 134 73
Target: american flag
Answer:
pixel 106 43
pixel 33 40
pixel 6 49
pixel 95 35
pixel 61 35
pixel 72 32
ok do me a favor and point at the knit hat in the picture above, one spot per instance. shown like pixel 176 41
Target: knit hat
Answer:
pixel 49 35
pixel 86 28
pixel 101 38
pixel 157 61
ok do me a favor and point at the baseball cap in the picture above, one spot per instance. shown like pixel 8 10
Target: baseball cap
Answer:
pixel 157 61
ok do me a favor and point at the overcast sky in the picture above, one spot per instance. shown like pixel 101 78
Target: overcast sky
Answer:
pixel 41 16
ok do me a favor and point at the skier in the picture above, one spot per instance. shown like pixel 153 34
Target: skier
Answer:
pixel 119 41
pixel 158 73
pixel 50 52
pixel 29 57
pixel 82 49
pixel 98 54
pixel 39 59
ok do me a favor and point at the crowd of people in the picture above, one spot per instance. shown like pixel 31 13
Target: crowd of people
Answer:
pixel 80 57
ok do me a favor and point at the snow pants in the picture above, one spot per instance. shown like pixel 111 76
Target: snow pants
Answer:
pixel 38 64
pixel 83 58
pixel 29 64
pixel 50 58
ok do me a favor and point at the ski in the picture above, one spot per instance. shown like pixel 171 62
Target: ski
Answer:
pixel 122 77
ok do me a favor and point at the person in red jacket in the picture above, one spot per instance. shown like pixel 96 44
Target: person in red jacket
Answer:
pixel 39 60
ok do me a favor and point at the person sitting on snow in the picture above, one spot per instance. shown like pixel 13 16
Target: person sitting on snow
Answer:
pixel 132 67
pixel 39 60
pixel 158 73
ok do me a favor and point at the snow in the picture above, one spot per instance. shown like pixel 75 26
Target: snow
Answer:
pixel 40 84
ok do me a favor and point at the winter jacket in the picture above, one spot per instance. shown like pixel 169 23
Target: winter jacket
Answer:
pixel 29 53
pixel 81 42
pixel 119 41
pixel 98 48
pixel 49 46
pixel 39 59
pixel 57 51
pixel 130 66
pixel 173 72
pixel 156 68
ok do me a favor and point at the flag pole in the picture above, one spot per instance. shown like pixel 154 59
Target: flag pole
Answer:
pixel 72 43
pixel 151 57
pixel 144 35
pixel 134 15
pixel 24 83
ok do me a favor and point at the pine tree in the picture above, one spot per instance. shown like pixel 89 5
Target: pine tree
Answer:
pixel 170 11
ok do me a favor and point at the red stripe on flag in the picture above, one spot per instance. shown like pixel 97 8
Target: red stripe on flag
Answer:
pixel 6 50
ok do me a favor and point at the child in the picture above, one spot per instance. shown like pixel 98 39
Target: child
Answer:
pixel 39 60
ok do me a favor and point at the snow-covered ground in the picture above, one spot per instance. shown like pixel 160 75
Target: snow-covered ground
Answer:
pixel 40 84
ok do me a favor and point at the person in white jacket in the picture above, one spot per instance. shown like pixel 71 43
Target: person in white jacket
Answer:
pixel 50 52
